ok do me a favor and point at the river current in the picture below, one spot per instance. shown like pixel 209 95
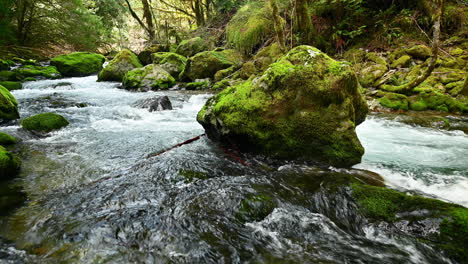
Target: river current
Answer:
pixel 93 195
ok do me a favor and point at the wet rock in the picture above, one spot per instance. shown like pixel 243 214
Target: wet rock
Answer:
pixel 155 104
pixel 78 63
pixel 305 106
pixel 6 139
pixel 150 77
pixel 44 123
pixel 123 62
pixel 12 85
pixel 8 105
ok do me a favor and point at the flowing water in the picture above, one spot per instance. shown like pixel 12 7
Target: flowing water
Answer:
pixel 94 196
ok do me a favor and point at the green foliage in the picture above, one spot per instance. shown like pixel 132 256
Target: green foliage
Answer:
pixel 250 27
pixel 45 122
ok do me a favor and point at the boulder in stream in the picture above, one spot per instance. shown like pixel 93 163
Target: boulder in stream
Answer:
pixel 206 64
pixel 44 123
pixel 123 62
pixel 172 62
pixel 145 55
pixel 150 77
pixel 155 104
pixel 9 164
pixel 78 63
pixel 8 105
pixel 306 106
pixel 6 139
pixel 190 47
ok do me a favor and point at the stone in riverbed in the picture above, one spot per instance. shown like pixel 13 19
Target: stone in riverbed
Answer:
pixel 8 105
pixel 6 139
pixel 150 77
pixel 145 55
pixel 78 63
pixel 192 46
pixel 9 164
pixel 155 104
pixel 173 63
pixel 123 62
pixel 44 123
pixel 12 85
pixel 305 106
pixel 206 64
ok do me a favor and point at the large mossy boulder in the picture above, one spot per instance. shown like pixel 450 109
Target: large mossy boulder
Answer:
pixel 206 64
pixel 145 55
pixel 78 63
pixel 306 106
pixel 44 123
pixel 172 62
pixel 9 164
pixel 37 72
pixel 122 63
pixel 6 139
pixel 150 77
pixel 8 105
pixel 12 85
pixel 190 47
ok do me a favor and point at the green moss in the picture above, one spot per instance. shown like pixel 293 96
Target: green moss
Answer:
pixel 225 73
pixel 150 77
pixel 255 207
pixel 436 101
pixel 456 52
pixel 206 64
pixel 247 70
pixel 4 65
pixel 221 85
pixel 8 105
pixel 383 204
pixel 173 63
pixel 304 106
pixel 374 57
pixel 9 76
pixel 45 122
pixel 419 52
pixel 403 61
pixel 12 85
pixel 191 175
pixel 394 101
pixel 78 63
pixel 29 79
pixel 48 72
pixel 354 55
pixel 371 74
pixel 145 56
pixel 197 85
pixel 9 164
pixel 249 27
pixel 6 139
pixel 122 63
pixel 190 47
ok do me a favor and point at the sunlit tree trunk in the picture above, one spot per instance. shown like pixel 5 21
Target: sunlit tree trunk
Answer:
pixel 278 24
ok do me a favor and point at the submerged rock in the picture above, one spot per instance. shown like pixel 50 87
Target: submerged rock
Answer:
pixel 78 63
pixel 123 62
pixel 44 123
pixel 206 64
pixel 8 105
pixel 192 46
pixel 155 104
pixel 9 164
pixel 150 77
pixel 305 106
pixel 172 62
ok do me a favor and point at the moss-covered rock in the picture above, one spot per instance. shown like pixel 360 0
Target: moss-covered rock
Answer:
pixel 172 62
pixel 150 77
pixel 5 65
pixel 369 75
pixel 145 55
pixel 403 61
pixel 437 101
pixel 255 207
pixel 6 139
pixel 394 101
pixel 123 62
pixel 9 164
pixel 305 106
pixel 8 105
pixel 198 85
pixel 190 47
pixel 38 72
pixel 456 52
pixel 250 26
pixel 45 122
pixel 9 76
pixel 221 85
pixel 206 64
pixel 12 85
pixel 419 52
pixel 354 55
pixel 383 204
pixel 78 63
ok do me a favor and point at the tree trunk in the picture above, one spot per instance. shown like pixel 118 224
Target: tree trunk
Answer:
pixel 147 15
pixel 303 24
pixel 277 22
pixel 408 88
